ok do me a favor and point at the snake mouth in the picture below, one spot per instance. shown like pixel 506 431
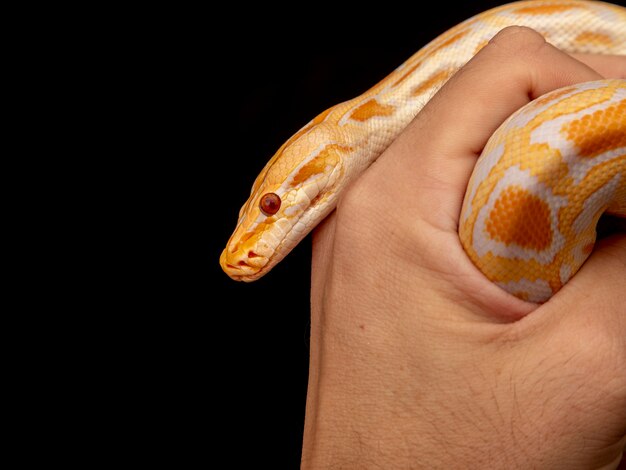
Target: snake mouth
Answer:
pixel 243 266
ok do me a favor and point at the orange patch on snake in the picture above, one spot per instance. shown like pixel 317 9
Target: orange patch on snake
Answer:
pixel 434 79
pixel 370 109
pixel 317 165
pixel 588 248
pixel 314 167
pixel 451 40
pixel 555 284
pixel 587 132
pixel 520 217
pixel 589 37
pixel 543 9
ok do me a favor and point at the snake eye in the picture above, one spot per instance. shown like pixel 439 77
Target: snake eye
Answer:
pixel 270 203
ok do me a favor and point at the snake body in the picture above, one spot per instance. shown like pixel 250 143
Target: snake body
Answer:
pixel 543 180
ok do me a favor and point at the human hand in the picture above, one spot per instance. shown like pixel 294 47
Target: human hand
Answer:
pixel 417 360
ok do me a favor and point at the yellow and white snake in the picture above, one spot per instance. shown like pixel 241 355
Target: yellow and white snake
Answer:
pixel 529 216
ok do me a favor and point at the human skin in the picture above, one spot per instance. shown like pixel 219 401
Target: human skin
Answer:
pixel 417 360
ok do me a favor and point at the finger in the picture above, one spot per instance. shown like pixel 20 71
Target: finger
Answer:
pixel 514 68
pixel 609 66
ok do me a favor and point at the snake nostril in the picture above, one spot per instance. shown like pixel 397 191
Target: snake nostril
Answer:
pixel 238 266
pixel 252 254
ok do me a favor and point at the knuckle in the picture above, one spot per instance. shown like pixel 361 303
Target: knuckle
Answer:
pixel 518 40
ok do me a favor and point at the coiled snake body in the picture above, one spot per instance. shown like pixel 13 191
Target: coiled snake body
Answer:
pixel 529 216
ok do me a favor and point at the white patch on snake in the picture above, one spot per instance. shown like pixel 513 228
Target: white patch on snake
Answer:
pixel 527 113
pixel 488 159
pixel 597 201
pixel 538 291
pixel 565 272
pixel 484 244
pixel 586 221
pixel 606 14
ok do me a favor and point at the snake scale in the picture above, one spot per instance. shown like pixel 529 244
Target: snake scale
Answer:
pixel 544 178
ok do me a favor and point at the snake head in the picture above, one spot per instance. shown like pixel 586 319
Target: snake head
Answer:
pixel 293 192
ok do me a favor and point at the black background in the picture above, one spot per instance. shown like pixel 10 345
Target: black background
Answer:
pixel 255 344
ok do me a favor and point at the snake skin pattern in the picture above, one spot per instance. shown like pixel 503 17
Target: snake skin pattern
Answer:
pixel 543 180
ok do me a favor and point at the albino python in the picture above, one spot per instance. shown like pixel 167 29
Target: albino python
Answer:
pixel 529 216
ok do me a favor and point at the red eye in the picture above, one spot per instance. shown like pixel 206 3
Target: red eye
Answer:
pixel 270 203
